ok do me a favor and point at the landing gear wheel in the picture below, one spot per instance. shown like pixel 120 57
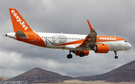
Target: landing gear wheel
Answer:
pixel 116 57
pixel 82 54
pixel 69 56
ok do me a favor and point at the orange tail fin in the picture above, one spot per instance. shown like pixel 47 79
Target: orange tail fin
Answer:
pixel 19 24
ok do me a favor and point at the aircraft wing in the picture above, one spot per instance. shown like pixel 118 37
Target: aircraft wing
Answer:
pixel 90 39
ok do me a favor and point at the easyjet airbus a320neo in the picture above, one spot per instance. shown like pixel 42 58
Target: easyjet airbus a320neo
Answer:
pixel 80 45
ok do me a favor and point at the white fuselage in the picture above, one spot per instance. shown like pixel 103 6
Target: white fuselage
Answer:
pixel 53 39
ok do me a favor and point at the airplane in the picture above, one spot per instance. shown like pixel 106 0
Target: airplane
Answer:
pixel 80 45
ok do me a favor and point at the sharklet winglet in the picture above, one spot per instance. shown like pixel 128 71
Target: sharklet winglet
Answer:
pixel 89 25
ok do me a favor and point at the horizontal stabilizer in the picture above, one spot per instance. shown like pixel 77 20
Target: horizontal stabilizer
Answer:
pixel 20 34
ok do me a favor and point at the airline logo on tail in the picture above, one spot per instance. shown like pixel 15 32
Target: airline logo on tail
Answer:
pixel 18 19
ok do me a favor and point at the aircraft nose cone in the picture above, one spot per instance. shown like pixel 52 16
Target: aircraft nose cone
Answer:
pixel 130 46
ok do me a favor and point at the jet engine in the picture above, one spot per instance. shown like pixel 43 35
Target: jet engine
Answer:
pixel 101 48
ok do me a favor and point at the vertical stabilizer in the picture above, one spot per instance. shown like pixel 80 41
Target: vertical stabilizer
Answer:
pixel 19 24
pixel 22 31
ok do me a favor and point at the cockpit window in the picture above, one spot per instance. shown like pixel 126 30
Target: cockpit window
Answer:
pixel 125 41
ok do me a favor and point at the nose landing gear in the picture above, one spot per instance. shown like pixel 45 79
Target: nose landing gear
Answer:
pixel 116 57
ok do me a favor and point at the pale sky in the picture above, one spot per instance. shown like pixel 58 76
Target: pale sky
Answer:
pixel 108 17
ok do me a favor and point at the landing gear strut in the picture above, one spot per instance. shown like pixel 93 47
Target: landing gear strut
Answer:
pixel 116 57
pixel 69 56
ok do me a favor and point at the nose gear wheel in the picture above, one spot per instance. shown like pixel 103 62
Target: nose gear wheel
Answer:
pixel 116 57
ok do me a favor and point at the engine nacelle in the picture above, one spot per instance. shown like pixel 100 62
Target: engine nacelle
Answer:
pixel 86 53
pixel 101 48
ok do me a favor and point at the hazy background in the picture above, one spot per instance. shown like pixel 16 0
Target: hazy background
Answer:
pixel 108 17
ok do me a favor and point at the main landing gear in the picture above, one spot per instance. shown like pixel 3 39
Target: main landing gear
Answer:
pixel 69 56
pixel 116 57
pixel 81 54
